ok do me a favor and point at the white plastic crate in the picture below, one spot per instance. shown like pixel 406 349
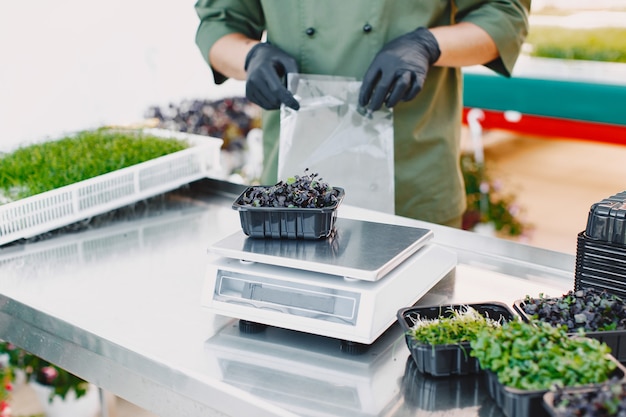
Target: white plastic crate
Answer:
pixel 60 207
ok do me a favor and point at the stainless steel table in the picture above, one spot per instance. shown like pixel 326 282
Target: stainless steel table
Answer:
pixel 118 303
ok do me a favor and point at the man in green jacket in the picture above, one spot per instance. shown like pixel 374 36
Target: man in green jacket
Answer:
pixel 407 53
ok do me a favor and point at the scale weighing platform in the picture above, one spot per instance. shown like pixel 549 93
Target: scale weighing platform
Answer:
pixel 348 286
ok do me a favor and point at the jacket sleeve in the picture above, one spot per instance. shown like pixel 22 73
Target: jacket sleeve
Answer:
pixel 506 21
pixel 222 17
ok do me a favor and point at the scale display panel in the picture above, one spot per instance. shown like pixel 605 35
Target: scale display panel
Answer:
pixel 297 299
pixel 356 249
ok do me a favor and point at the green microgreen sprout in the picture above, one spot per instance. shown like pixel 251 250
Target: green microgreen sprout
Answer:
pixel 40 167
pixel 452 327
pixel 538 356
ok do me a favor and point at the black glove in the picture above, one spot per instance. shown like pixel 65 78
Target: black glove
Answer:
pixel 399 69
pixel 267 67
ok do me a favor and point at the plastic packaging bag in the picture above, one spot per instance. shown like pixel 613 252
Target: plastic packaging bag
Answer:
pixel 332 136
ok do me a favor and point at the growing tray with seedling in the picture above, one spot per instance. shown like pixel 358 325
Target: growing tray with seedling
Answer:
pixel 48 185
pixel 523 361
pixel 438 337
pixel 299 207
pixel 599 314
pixel 604 400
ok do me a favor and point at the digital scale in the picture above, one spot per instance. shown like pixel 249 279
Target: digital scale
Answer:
pixel 348 286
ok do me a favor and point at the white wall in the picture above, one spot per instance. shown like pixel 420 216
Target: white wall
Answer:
pixel 67 65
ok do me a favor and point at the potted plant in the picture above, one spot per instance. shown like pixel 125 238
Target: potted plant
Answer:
pixel 60 384
pixel 6 385
pixel 588 309
pixel 301 207
pixel 525 360
pixel 438 337
pixel 488 203
pixel 605 400
pixel 599 314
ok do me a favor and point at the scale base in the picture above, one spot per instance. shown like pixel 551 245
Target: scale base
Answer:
pixel 345 346
pixel 251 327
pixel 346 309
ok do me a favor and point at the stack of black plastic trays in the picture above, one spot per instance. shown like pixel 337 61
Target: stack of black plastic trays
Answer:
pixel 601 248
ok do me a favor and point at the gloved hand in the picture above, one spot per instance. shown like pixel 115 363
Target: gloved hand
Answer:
pixel 267 67
pixel 399 69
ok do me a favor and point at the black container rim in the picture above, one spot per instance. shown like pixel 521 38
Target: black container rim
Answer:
pixel 549 397
pixel 517 306
pixel 584 237
pixel 403 312
pixel 245 207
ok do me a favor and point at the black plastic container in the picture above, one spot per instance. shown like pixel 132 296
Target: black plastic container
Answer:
pixel 431 393
pixel 581 397
pixel 600 265
pixel 529 403
pixel 607 220
pixel 614 339
pixel 449 359
pixel 287 222
pixel 601 256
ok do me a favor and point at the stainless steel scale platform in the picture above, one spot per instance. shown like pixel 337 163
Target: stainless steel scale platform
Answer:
pixel 348 286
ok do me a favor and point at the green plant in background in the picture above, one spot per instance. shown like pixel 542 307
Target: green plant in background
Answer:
pixel 6 385
pixel 41 167
pixel 43 372
pixel 487 202
pixel 602 44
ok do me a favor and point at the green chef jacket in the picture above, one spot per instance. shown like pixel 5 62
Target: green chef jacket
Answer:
pixel 341 37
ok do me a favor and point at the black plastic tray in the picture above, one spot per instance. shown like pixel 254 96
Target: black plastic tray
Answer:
pixel 607 220
pixel 614 339
pixel 600 265
pixel 529 403
pixel 597 284
pixel 586 392
pixel 452 359
pixel 287 223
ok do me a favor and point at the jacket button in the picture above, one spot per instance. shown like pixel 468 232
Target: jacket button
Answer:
pixel 367 28
pixel 310 31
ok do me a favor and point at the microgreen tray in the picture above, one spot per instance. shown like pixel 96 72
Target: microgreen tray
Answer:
pixel 50 210
pixel 614 339
pixel 530 403
pixel 287 222
pixel 446 359
pixel 574 401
